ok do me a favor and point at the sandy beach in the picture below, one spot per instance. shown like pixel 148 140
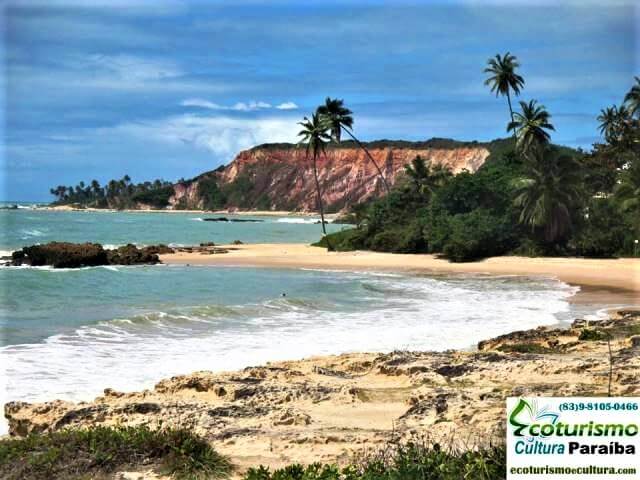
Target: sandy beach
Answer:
pixel 622 274
pixel 330 408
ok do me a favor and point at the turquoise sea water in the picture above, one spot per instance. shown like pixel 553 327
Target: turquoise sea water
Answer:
pixel 71 333
pixel 25 227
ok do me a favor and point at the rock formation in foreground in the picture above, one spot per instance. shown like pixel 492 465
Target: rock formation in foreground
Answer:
pixel 326 409
pixel 280 177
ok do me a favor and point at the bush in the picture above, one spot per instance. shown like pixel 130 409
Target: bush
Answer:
pixel 477 235
pixel 344 240
pixel 158 197
pixel 603 232
pixel 411 461
pixel 85 453
pixel 593 335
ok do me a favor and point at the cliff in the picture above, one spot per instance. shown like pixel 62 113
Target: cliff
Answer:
pixel 280 176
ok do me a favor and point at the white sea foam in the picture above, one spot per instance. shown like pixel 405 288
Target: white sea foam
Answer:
pixel 300 220
pixel 406 312
pixel 29 233
pixel 197 219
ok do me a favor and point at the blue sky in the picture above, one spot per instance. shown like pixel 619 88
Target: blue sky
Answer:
pixel 97 89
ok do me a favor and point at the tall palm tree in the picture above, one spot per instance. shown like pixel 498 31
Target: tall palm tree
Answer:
pixel 531 127
pixel 549 194
pixel 338 118
pixel 503 77
pixel 614 121
pixel 632 98
pixel 314 135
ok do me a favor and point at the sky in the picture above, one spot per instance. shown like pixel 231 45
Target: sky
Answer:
pixel 160 89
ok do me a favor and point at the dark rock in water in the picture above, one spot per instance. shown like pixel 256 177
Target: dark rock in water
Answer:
pixel 225 219
pixel 61 255
pixel 76 255
pixel 207 244
pixel 160 249
pixel 237 242
pixel 131 255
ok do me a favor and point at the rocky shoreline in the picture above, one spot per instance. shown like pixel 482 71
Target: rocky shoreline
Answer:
pixel 328 408
pixel 78 255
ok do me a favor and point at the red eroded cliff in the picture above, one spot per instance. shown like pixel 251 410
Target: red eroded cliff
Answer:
pixel 280 176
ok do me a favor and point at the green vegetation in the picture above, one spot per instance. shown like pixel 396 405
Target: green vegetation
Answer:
pixel 115 194
pixel 530 197
pixel 593 335
pixel 411 461
pixel 85 453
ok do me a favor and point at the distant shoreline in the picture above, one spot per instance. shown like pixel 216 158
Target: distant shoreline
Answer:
pixel 262 213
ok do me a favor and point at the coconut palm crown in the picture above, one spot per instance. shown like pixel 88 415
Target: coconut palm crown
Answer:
pixel 503 78
pixel 337 116
pixel 531 127
pixel 632 98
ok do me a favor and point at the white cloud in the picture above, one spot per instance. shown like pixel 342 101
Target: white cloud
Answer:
pixel 287 106
pixel 223 136
pixel 238 107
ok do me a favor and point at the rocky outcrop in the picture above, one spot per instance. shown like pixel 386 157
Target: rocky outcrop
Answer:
pixel 280 176
pixel 76 255
pixel 327 408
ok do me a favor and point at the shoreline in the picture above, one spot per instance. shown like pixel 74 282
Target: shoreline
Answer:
pixel 258 213
pixel 595 274
pixel 341 405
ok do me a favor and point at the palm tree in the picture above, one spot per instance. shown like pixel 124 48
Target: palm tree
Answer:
pixel 338 118
pixel 425 177
pixel 504 78
pixel 314 134
pixel 614 121
pixel 549 194
pixel 632 98
pixel 531 127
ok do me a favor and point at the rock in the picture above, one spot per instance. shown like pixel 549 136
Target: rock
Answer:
pixel 237 242
pixel 131 255
pixel 61 255
pixel 635 341
pixel 76 255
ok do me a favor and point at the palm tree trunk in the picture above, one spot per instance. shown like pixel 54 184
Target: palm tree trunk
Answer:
pixel 515 135
pixel 384 180
pixel 319 200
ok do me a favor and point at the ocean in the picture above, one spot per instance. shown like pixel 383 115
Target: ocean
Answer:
pixel 70 333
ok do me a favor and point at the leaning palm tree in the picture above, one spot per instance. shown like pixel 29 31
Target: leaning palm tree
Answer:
pixel 338 118
pixel 314 135
pixel 503 77
pixel 548 195
pixel 632 98
pixel 530 127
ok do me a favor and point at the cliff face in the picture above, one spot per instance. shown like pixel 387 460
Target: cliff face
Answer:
pixel 280 177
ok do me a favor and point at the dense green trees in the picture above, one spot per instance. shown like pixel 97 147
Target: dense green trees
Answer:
pixel 531 197
pixel 116 194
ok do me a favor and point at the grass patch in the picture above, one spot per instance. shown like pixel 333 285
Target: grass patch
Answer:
pixel 593 335
pixel 410 461
pixel 85 453
pixel 525 348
